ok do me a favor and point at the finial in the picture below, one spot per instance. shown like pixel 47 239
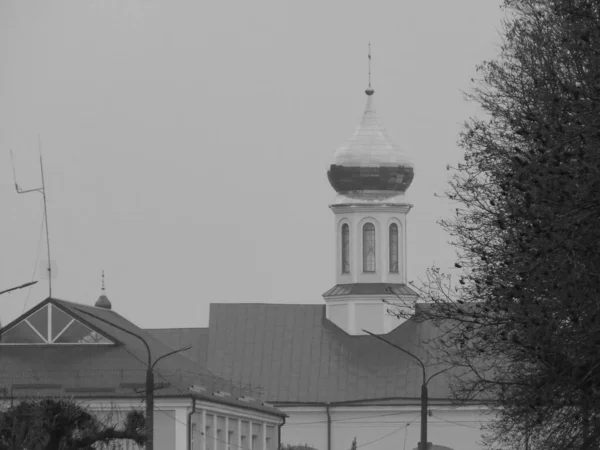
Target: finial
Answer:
pixel 370 90
pixel 103 301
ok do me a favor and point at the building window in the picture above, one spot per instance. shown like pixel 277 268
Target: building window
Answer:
pixel 345 248
pixel 369 247
pixel 229 439
pixel 394 248
pixel 209 438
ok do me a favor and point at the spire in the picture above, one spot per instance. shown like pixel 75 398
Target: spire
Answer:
pixel 370 90
pixel 103 301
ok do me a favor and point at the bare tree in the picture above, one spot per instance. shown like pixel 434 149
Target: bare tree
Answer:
pixel 522 322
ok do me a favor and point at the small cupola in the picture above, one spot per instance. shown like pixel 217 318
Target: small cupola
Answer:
pixel 103 301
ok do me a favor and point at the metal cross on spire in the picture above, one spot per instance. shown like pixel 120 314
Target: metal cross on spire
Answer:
pixel 369 64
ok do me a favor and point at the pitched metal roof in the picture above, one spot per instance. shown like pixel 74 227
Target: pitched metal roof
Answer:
pixel 90 370
pixel 293 354
pixel 176 338
pixel 369 289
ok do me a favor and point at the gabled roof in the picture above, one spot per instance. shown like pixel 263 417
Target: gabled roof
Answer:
pixel 369 289
pixel 295 355
pixel 47 323
pixel 108 370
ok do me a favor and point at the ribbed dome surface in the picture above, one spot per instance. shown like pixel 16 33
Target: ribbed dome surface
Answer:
pixel 370 160
pixel 370 146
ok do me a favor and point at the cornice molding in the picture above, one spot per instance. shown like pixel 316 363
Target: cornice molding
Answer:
pixel 402 208
pixel 357 297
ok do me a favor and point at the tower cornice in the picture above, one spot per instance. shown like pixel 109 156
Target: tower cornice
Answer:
pixel 341 208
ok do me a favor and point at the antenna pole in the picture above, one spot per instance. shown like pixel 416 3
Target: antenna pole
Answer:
pixel 45 219
pixel 41 190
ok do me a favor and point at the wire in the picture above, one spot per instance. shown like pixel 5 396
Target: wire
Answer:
pixel 461 424
pixel 353 418
pixel 393 432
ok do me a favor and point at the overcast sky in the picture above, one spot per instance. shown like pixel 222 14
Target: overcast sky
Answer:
pixel 186 143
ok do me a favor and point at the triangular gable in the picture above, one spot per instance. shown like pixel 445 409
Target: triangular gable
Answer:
pixel 49 324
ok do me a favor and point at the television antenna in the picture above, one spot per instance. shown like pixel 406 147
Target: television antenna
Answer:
pixel 41 190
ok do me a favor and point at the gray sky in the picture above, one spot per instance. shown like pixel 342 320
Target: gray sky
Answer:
pixel 186 143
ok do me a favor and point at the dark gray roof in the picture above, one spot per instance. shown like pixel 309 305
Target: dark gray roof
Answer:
pixel 117 370
pixel 177 338
pixel 292 353
pixel 369 289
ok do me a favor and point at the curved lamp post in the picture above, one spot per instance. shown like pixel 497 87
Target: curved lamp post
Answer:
pixel 149 378
pixel 424 395
pixel 18 287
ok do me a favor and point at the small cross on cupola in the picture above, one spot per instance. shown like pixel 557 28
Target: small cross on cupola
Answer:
pixel 370 90
pixel 103 301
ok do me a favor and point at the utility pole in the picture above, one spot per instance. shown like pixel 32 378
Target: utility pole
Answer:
pixel 424 394
pixel 149 378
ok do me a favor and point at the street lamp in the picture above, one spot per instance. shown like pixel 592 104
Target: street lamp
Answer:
pixel 424 395
pixel 149 378
pixel 18 287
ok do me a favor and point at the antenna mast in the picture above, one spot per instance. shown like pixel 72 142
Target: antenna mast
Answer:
pixel 41 190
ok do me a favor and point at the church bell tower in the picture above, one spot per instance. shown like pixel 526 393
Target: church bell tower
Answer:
pixel 370 174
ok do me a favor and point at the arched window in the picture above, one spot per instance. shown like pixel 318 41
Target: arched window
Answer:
pixel 394 248
pixel 368 247
pixel 345 248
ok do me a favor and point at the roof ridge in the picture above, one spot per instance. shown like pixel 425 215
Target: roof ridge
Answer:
pixel 267 304
pixel 69 302
pixel 176 328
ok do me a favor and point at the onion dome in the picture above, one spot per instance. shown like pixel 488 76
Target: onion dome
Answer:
pixel 370 163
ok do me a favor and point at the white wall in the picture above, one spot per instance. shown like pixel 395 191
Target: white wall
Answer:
pixel 228 428
pixel 382 428
pixel 170 419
